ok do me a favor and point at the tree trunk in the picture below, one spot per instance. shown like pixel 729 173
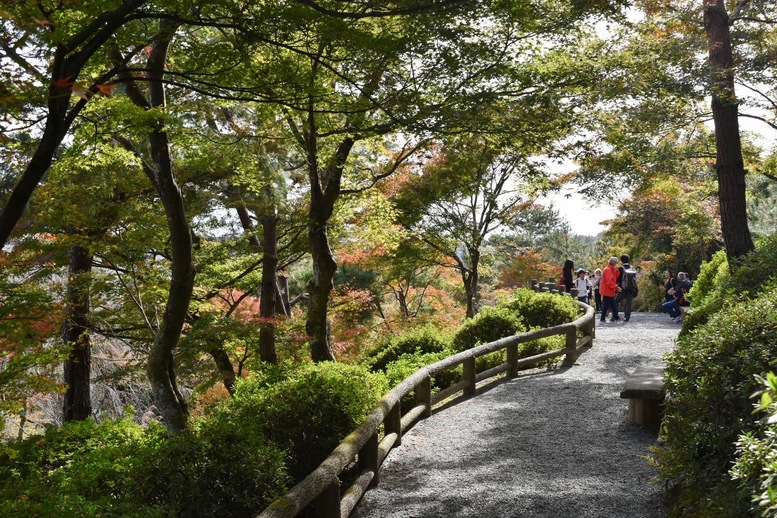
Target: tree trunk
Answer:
pixel 269 296
pixel 77 404
pixel 161 369
pixel 470 279
pixel 225 368
pixel 319 288
pixel 56 128
pixel 401 297
pixel 248 227
pixel 283 305
pixel 324 192
pixel 729 163
pixel 267 302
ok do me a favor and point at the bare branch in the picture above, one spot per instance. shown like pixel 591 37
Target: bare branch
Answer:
pixel 758 118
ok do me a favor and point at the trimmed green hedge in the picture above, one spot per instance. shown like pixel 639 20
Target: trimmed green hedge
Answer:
pixel 542 309
pixel 423 340
pixel 490 324
pixel 308 413
pixel 710 377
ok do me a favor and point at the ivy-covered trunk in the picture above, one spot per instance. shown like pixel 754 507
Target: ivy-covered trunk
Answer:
pixel 725 113
pixel 77 403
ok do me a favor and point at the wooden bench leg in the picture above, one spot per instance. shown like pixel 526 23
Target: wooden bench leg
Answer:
pixel 644 411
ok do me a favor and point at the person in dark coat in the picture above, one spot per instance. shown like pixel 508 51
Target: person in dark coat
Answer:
pixel 567 277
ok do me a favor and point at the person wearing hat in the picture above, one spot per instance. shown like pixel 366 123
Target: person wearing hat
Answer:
pixel 609 288
pixel 582 284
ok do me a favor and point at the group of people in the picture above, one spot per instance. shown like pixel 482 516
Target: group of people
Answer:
pixel 610 286
pixel 618 284
pixel 675 291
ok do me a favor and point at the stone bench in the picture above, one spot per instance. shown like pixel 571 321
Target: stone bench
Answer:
pixel 645 391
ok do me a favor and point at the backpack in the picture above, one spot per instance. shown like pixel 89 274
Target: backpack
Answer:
pixel 629 280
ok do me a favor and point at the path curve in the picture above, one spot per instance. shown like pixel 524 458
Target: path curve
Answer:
pixel 546 444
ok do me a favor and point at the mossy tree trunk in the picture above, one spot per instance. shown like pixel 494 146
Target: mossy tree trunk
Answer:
pixel 161 361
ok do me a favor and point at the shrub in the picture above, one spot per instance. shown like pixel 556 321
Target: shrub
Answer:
pixel 757 270
pixel 542 309
pixel 216 468
pixel 541 346
pixel 711 279
pixel 424 340
pixel 756 464
pixel 407 364
pixel 118 468
pixel 491 323
pixel 650 295
pixel 716 288
pixel 711 291
pixel 710 376
pixel 80 468
pixel 308 413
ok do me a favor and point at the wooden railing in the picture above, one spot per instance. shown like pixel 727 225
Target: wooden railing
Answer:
pixel 364 445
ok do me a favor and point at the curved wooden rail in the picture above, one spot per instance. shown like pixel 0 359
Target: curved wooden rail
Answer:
pixel 364 445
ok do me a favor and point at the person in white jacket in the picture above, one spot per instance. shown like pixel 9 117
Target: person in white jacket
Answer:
pixel 582 284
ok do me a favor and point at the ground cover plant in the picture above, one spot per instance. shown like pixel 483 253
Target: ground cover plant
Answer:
pixel 415 349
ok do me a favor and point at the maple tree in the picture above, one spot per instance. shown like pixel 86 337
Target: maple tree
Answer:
pixel 654 225
pixel 284 118
pixel 65 40
pixel 29 315
pixel 471 189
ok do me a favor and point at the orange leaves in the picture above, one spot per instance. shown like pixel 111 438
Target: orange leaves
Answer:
pixel 82 91
pixel 63 82
pixel 106 89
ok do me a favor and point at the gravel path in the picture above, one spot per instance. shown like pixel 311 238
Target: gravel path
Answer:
pixel 546 444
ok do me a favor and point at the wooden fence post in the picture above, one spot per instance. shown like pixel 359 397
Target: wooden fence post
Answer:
pixel 590 329
pixel 512 360
pixel 393 423
pixel 423 395
pixel 470 376
pixel 571 351
pixel 368 459
pixel 327 504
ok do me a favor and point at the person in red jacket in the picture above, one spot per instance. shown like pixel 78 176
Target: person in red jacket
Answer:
pixel 609 288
